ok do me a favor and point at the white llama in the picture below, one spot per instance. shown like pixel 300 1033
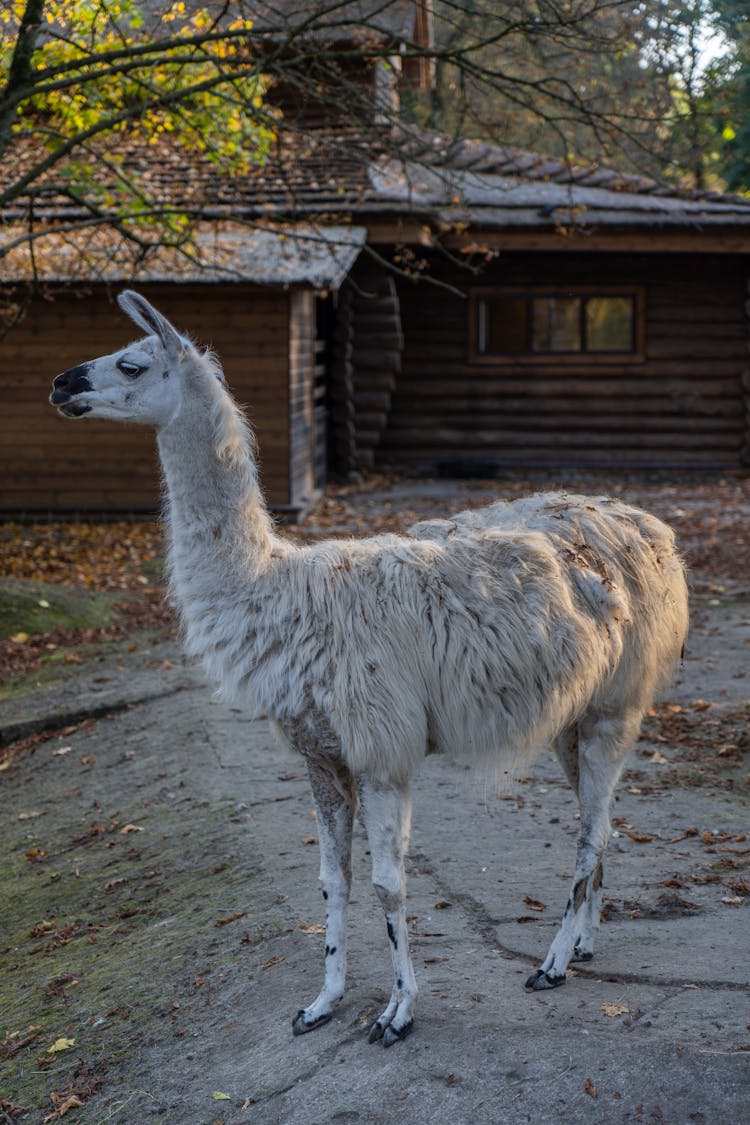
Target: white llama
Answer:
pixel 549 621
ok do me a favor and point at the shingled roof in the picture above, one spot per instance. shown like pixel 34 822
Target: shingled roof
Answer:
pixel 405 170
pixel 332 177
pixel 496 186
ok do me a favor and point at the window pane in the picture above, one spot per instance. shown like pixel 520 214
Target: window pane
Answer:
pixel 609 324
pixel 504 325
pixel 556 324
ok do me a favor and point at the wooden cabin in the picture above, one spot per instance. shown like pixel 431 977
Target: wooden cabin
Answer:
pixel 402 300
pixel 264 329
pixel 575 359
pixel 267 344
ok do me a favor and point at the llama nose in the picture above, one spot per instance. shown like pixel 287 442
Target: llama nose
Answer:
pixel 74 380
pixel 71 382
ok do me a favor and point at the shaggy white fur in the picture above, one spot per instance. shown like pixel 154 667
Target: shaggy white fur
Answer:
pixel 549 621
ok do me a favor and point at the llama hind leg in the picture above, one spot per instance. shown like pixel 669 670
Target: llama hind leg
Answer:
pixel 387 815
pixel 335 801
pixel 566 749
pixel 602 742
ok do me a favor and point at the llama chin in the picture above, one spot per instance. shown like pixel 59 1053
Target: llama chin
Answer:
pixel 488 635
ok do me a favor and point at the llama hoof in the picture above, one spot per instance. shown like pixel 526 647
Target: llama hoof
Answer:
pixel 300 1026
pixel 582 955
pixel 540 980
pixel 376 1032
pixel 393 1034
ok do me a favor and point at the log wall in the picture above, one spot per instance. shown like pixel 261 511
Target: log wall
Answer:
pixel 681 406
pixel 50 464
pixel 377 344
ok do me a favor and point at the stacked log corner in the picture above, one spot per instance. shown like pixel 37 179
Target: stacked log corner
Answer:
pixel 342 443
pixel 377 347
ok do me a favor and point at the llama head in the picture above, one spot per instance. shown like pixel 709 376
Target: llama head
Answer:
pixel 143 382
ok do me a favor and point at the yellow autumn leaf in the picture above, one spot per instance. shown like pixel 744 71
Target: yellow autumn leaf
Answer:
pixel 219 1097
pixel 611 1009
pixel 19 638
pixel 61 1045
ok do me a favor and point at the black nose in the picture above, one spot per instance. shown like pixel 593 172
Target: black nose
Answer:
pixel 71 382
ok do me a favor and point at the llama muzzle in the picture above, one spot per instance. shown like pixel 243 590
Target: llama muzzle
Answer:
pixel 65 388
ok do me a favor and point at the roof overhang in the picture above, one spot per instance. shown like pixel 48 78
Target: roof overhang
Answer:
pixel 318 257
pixel 508 207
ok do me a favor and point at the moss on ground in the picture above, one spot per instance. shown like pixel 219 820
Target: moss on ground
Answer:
pixel 39 607
pixel 109 934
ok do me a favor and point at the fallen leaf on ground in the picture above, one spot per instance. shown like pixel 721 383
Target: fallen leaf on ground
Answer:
pixel 63 1103
pixel 312 928
pixel 61 1044
pixel 219 1097
pixel 683 835
pixel 534 903
pixel 128 828
pixel 733 900
pixel 229 918
pixel 590 1088
pixel 308 840
pixel 271 961
pixel 612 1009
pixel 15 1040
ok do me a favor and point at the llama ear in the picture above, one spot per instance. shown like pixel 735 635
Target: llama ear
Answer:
pixel 150 320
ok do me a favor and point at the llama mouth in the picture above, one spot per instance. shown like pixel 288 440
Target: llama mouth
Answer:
pixel 69 407
pixel 74 409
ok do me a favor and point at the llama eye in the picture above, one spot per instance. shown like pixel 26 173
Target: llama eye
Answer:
pixel 130 369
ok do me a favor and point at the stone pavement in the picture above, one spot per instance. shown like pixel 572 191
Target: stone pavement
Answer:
pixel 161 910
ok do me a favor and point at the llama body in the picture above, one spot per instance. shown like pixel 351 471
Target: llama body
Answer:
pixel 545 622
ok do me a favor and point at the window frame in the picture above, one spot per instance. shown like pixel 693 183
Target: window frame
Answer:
pixel 531 358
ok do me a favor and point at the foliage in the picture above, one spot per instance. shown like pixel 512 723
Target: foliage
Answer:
pixel 81 81
pixel 732 99
pixel 567 77
pixel 90 89
pixel 654 87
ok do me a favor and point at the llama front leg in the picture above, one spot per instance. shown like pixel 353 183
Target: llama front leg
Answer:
pixel 602 743
pixel 387 815
pixel 335 801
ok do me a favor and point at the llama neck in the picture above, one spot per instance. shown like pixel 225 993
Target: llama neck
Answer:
pixel 219 527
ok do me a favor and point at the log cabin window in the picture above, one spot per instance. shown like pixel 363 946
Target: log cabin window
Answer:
pixel 546 325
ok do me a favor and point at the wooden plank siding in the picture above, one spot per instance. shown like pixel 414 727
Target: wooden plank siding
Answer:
pixel 681 405
pixel 52 465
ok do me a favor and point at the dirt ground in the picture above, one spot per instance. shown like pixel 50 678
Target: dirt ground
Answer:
pixel 161 920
